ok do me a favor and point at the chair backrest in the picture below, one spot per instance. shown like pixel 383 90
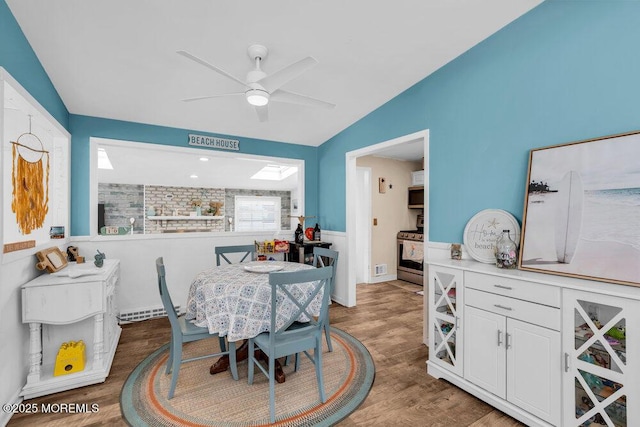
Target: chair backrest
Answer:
pixel 164 295
pixel 249 251
pixel 324 257
pixel 303 288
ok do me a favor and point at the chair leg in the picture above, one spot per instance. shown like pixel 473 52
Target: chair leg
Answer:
pixel 287 359
pixel 327 333
pixel 170 359
pixel 232 360
pixel 250 361
pixel 272 389
pixel 175 368
pixel 223 344
pixel 318 363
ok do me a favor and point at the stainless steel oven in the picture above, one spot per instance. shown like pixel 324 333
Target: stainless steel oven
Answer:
pixel 410 270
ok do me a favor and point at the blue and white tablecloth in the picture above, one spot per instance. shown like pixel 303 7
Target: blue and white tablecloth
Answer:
pixel 236 303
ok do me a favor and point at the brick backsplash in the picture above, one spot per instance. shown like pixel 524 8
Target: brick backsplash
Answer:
pixel 177 200
pixel 124 201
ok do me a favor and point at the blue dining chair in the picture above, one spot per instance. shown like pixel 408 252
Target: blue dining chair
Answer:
pixel 248 250
pixel 293 337
pixel 183 331
pixel 323 257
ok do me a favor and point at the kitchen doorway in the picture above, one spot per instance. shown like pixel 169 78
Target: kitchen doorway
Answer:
pixel 389 147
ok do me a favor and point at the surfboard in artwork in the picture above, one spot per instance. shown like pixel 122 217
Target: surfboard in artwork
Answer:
pixel 568 216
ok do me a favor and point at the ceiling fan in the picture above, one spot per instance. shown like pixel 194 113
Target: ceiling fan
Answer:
pixel 262 88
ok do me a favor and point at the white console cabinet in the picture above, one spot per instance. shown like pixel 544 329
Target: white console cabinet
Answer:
pixel 536 346
pixel 61 307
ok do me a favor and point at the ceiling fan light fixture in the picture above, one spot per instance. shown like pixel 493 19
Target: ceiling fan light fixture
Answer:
pixel 257 97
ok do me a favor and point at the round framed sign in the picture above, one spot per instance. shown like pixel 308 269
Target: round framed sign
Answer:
pixel 484 228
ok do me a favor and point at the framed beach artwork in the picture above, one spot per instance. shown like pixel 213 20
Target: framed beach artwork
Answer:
pixel 582 210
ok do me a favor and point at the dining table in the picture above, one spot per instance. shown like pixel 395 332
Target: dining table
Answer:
pixel 234 300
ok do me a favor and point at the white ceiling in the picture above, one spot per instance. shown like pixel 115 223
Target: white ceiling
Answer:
pixel 117 59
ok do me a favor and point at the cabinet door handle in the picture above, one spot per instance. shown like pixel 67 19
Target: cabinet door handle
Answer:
pixel 457 321
pixel 508 343
pixel 503 307
pixel 503 287
pixel 566 362
pixel 499 337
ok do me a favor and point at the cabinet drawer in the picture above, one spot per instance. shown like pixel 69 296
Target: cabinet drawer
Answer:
pixel 62 304
pixel 534 292
pixel 536 314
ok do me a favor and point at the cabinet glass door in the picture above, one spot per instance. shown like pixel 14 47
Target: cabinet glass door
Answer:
pixel 602 378
pixel 445 287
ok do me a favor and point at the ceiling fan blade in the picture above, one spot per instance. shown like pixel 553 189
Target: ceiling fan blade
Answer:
pixel 199 98
pixel 294 98
pixel 209 66
pixel 263 113
pixel 276 80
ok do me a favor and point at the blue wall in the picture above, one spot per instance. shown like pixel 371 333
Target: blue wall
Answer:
pixel 17 57
pixel 566 71
pixel 83 127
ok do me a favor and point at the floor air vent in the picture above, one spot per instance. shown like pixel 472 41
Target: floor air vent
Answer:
pixel 135 316
pixel 380 269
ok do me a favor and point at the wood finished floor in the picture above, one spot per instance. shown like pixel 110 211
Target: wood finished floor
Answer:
pixel 387 320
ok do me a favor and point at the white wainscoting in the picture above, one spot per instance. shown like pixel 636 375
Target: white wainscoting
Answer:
pixel 14 352
pixel 185 255
pixel 338 240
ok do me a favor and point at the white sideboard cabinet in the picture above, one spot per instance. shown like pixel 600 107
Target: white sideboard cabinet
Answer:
pixel 77 303
pixel 537 347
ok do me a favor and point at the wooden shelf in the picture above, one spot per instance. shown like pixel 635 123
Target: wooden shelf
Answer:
pixel 183 217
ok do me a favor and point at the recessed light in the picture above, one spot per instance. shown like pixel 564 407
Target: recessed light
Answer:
pixel 194 176
pixel 204 159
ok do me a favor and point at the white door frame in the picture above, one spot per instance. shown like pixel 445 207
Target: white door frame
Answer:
pixel 351 188
pixel 363 232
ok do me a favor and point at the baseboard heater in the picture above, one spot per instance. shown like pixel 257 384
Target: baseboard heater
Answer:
pixel 144 314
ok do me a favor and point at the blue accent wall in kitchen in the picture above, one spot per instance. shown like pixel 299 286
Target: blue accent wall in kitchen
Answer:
pixel 566 71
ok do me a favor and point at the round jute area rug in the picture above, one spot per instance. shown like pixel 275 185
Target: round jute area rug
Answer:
pixel 202 399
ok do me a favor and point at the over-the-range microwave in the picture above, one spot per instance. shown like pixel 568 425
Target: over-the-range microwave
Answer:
pixel 416 197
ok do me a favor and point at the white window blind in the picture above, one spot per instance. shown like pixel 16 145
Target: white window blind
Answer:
pixel 257 213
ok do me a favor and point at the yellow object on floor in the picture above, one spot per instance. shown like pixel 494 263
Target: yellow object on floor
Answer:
pixel 70 358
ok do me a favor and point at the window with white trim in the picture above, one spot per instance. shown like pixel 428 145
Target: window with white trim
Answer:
pixel 257 213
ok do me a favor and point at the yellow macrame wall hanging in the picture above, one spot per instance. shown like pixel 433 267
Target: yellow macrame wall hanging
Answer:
pixel 30 180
